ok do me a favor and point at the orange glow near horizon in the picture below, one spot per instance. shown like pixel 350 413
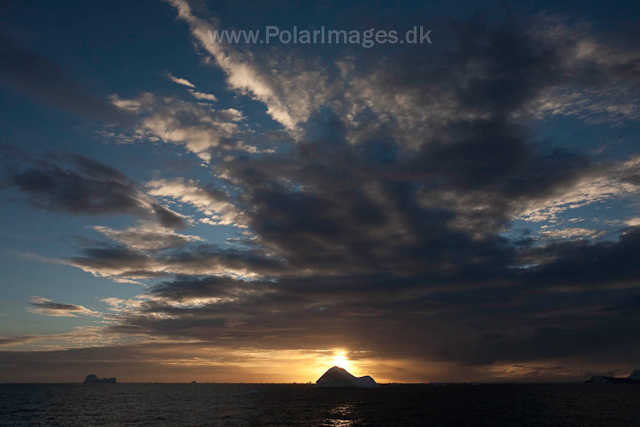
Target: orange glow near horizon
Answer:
pixel 340 359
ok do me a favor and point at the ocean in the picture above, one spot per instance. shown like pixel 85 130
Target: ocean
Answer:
pixel 584 405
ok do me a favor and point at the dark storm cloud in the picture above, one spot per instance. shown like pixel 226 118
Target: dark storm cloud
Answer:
pixel 209 287
pixel 392 317
pixel 583 264
pixel 81 186
pixel 380 206
pixel 384 232
pixel 32 74
pixel 392 243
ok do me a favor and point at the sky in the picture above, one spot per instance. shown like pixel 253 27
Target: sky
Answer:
pixel 176 208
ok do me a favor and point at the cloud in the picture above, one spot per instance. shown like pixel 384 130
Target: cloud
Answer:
pixel 535 314
pixel 392 217
pixel 15 340
pixel 600 184
pixel 47 307
pixel 213 202
pixel 203 96
pixel 591 97
pixel 572 233
pixel 390 212
pixel 207 290
pixel 81 186
pixel 148 236
pixel 183 82
pixel 127 264
pixel 291 92
pixel 199 128
pixel 578 265
pixel 633 222
pixel 42 79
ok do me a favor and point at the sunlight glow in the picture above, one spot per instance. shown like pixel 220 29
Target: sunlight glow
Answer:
pixel 340 359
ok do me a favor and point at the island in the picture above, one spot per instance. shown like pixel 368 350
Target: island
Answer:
pixel 634 378
pixel 339 377
pixel 93 379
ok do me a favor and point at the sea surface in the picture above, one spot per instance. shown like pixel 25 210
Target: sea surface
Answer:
pixel 585 405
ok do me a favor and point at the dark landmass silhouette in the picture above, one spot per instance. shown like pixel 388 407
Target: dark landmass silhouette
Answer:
pixel 338 377
pixel 93 379
pixel 634 378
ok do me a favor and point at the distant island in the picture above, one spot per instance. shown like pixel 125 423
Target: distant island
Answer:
pixel 634 378
pixel 338 377
pixel 93 379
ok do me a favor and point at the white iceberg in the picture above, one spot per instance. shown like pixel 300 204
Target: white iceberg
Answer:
pixel 338 377
pixel 634 378
pixel 635 375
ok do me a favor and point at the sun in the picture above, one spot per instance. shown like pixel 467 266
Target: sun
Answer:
pixel 340 360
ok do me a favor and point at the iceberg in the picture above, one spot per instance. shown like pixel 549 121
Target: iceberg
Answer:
pixel 634 378
pixel 338 377
pixel 93 379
